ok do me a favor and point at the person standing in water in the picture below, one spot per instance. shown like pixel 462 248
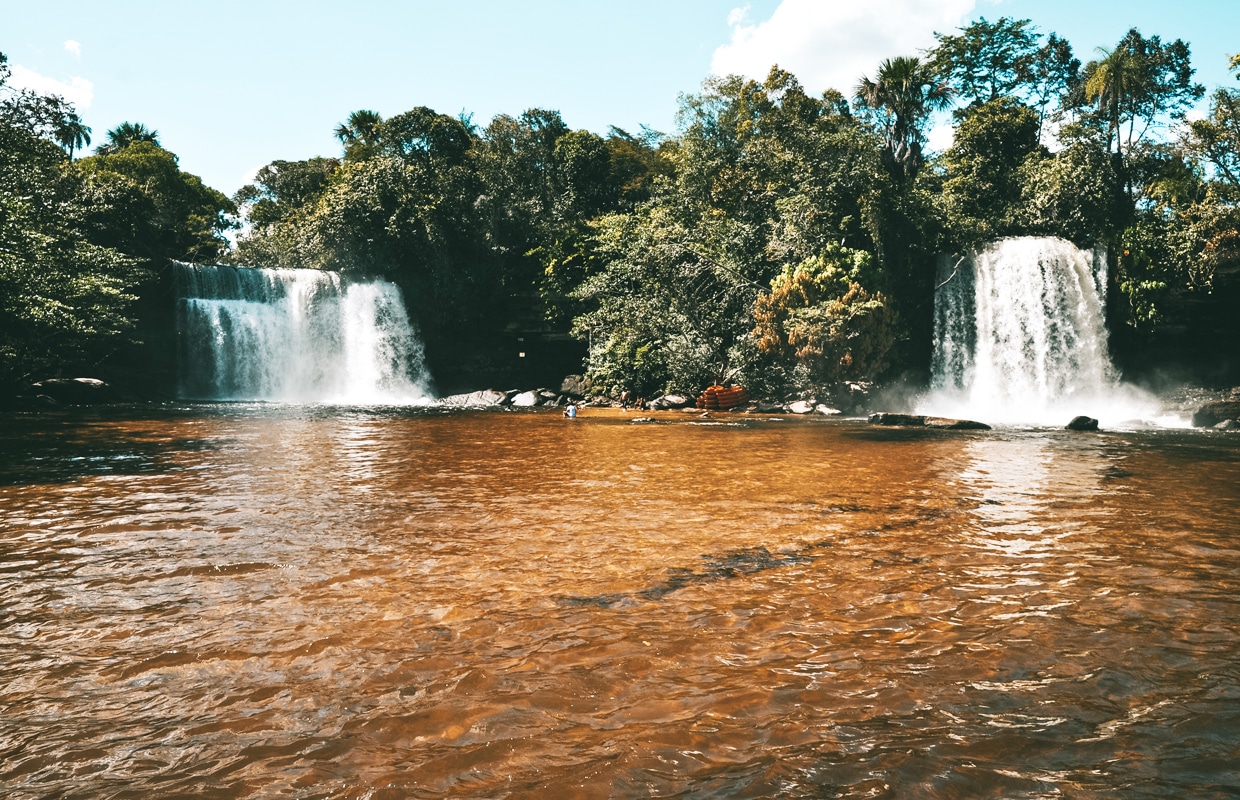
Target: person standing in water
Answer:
pixel 570 410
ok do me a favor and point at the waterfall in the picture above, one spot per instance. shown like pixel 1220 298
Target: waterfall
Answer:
pixel 1020 336
pixel 303 336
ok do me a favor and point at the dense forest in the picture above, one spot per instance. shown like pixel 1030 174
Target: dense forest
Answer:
pixel 777 239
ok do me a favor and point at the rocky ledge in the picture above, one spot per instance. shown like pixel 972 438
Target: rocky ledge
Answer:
pixel 922 421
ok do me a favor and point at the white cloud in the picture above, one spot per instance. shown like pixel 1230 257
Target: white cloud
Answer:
pixel 74 47
pixel 830 44
pixel 78 91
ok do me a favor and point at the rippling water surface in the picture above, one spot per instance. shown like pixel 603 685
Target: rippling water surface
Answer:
pixel 242 601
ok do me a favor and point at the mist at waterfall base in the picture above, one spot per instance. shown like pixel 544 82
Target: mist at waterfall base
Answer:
pixel 295 336
pixel 1020 338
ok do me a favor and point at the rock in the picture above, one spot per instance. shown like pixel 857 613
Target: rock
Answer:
pixel 769 408
pixel 642 420
pixel 956 424
pixel 800 407
pixel 1228 425
pixel 827 411
pixel 1213 413
pixel 574 386
pixel 75 391
pixel 525 399
pixel 1083 424
pixel 676 400
pixel 546 398
pixel 887 418
pixel 482 399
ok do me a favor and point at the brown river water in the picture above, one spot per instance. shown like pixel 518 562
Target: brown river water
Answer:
pixel 265 601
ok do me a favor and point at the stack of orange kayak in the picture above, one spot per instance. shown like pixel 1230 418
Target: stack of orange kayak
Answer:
pixel 720 398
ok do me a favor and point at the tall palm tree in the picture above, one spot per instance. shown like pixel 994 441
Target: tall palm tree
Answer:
pixel 72 134
pixel 125 134
pixel 904 93
pixel 1115 82
pixel 360 135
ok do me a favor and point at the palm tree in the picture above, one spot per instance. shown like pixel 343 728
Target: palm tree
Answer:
pixel 360 135
pixel 72 133
pixel 125 134
pixel 1114 83
pixel 904 94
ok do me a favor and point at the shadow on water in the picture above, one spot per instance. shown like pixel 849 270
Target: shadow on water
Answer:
pixel 740 563
pixel 61 447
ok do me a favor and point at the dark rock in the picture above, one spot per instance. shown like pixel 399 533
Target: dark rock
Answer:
pixel 676 400
pixel 75 391
pixel 1213 413
pixel 887 418
pixel 574 386
pixel 1082 423
pixel 956 424
pixel 642 421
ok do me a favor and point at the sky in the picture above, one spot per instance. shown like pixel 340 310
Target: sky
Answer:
pixel 232 86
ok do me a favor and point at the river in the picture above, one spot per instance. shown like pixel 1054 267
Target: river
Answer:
pixel 223 601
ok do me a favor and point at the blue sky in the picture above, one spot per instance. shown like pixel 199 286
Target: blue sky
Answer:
pixel 232 86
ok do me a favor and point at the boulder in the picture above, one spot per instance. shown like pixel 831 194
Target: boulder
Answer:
pixel 766 407
pixel 1228 425
pixel 956 424
pixel 800 407
pixel 546 398
pixel 827 411
pixel 481 399
pixel 1212 414
pixel 1082 424
pixel 75 391
pixel 676 400
pixel 574 386
pixel 525 399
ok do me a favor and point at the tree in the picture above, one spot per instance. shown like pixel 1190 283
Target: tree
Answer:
pixel 180 217
pixel 73 134
pixel 902 97
pixel 65 302
pixel 360 135
pixel 1139 85
pixel 819 321
pixel 983 189
pixel 124 135
pixel 987 60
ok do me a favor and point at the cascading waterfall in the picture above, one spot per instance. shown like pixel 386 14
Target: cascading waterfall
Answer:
pixel 301 336
pixel 1020 337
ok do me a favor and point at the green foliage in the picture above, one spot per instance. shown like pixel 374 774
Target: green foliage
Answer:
pixel 983 188
pixel 820 325
pixel 903 95
pixel 64 302
pixel 171 213
pixel 124 135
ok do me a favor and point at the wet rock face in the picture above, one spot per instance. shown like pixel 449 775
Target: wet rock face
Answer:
pixel 919 421
pixel 74 391
pixel 1082 423
pixel 1212 414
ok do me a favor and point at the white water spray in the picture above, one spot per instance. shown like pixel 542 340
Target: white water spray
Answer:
pixel 1020 338
pixel 300 336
